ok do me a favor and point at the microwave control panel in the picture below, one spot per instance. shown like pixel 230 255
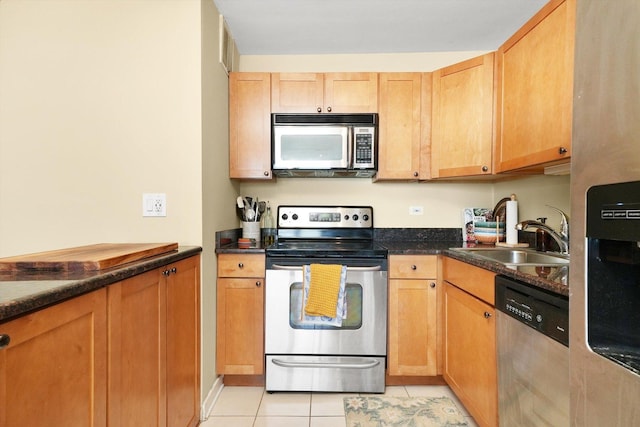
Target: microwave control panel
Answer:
pixel 364 147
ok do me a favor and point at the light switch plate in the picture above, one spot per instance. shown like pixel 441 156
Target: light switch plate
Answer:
pixel 154 204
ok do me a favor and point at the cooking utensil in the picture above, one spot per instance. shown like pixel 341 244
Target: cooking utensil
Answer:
pixel 249 211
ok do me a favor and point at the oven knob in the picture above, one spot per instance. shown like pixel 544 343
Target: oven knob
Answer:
pixel 294 217
pixel 365 217
pixel 346 217
pixel 539 318
pixel 285 217
pixel 354 217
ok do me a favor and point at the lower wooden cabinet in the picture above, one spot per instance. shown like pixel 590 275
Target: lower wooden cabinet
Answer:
pixel 154 347
pixel 470 340
pixel 137 349
pixel 125 355
pixel 54 371
pixel 240 315
pixel 183 342
pixel 412 337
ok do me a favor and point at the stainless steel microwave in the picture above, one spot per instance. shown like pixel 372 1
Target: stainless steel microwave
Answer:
pixel 324 145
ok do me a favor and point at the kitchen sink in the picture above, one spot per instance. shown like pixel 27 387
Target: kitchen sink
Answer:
pixel 517 257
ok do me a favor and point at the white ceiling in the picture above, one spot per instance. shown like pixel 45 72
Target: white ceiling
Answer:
pixel 289 27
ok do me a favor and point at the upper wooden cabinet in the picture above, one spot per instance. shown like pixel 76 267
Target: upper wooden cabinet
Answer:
pixel 535 90
pixel 400 137
pixel 462 119
pixel 324 93
pixel 250 125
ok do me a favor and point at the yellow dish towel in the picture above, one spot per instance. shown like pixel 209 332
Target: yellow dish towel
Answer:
pixel 324 289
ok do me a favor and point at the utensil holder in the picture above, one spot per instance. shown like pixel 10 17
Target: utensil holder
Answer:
pixel 251 230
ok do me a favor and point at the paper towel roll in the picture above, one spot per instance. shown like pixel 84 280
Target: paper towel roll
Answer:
pixel 511 222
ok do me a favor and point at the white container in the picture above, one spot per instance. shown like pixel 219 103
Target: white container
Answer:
pixel 512 221
pixel 251 230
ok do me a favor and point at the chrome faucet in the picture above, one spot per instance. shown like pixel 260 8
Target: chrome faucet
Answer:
pixel 562 237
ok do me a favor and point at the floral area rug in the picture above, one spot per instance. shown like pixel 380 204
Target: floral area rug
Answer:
pixel 402 411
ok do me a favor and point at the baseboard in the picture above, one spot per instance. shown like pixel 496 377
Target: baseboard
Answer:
pixel 212 397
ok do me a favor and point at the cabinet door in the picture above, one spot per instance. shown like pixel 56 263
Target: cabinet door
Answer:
pixel 412 327
pixel 399 129
pixel 183 342
pixel 137 351
pixel 240 330
pixel 470 354
pixel 351 92
pixel 250 125
pixel 54 371
pixel 462 126
pixel 297 92
pixel 535 90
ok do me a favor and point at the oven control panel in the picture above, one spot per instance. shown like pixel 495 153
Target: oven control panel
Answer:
pixel 325 217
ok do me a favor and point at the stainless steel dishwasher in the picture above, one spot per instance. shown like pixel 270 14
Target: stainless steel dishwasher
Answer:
pixel 533 355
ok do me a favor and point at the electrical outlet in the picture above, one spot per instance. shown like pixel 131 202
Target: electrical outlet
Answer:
pixel 154 204
pixel 416 210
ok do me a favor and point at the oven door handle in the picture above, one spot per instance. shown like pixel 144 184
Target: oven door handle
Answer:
pixel 298 267
pixel 365 365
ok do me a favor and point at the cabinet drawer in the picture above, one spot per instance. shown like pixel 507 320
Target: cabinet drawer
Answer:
pixel 413 266
pixel 474 280
pixel 241 265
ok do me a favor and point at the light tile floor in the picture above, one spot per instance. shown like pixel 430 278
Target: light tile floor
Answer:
pixel 252 406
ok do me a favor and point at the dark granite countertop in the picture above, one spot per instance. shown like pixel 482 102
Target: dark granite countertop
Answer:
pixel 435 241
pixel 22 293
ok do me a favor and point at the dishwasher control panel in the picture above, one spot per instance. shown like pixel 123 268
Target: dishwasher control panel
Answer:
pixel 546 312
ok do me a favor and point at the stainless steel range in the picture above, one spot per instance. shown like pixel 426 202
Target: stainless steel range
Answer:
pixel 346 353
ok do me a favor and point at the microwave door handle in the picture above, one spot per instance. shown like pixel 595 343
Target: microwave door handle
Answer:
pixel 350 147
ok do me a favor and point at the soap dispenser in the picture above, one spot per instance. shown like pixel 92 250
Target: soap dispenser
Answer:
pixel 543 240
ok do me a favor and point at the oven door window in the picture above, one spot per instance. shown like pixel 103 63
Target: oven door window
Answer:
pixel 353 301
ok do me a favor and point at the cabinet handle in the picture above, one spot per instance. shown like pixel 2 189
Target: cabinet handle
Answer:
pixel 562 150
pixel 328 109
pixel 432 284
pixel 166 273
pixel 4 340
pixel 258 284
pixel 240 265
pixel 414 267
pixel 266 173
pixel 416 174
pixel 319 110
pixel 485 169
pixel 487 315
pixel 173 270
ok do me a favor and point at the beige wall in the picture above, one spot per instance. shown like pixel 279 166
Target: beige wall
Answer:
pixel 100 102
pixel 219 193
pixel 392 62
pixel 442 202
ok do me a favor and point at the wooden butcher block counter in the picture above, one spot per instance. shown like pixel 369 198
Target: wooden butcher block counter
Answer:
pixel 85 258
pixel 34 281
